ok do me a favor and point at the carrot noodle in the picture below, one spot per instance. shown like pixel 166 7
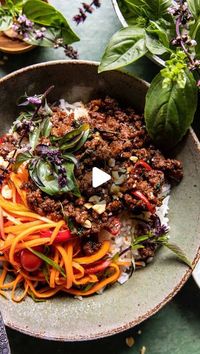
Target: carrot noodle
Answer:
pixel 53 272
pixel 2 225
pixel 56 230
pixel 17 181
pixel 95 257
pixel 66 269
pixel 11 218
pixel 100 284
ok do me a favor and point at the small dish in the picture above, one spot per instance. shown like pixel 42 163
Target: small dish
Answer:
pixel 13 46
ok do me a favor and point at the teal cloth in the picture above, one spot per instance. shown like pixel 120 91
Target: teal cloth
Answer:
pixel 175 329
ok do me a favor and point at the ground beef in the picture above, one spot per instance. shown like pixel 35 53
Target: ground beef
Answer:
pixel 7 145
pixel 90 246
pixel 147 251
pixel 118 139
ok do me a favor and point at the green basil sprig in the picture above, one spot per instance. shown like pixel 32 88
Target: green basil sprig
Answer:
pixel 44 14
pixel 157 27
pixel 125 47
pixel 170 109
pixel 150 31
pixel 46 175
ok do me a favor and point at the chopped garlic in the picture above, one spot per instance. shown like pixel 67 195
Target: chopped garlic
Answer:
pixel 114 189
pixel 94 199
pixel 6 192
pixel 115 175
pixel 100 207
pixel 133 158
pixel 87 224
pixel 88 205
pixel 111 162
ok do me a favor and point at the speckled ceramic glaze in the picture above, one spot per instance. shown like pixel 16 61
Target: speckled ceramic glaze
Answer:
pixel 120 307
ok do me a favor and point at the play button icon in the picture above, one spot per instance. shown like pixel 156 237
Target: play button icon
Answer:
pixel 99 177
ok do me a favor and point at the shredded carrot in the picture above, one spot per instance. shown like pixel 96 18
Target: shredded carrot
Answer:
pixel 67 258
pixel 53 271
pixel 20 229
pixel 2 225
pixel 18 183
pixel 21 237
pixel 56 230
pixel 99 285
pixel 96 256
pixel 16 228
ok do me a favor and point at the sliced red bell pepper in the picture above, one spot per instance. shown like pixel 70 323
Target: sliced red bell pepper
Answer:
pixel 115 226
pixel 144 199
pixel 98 267
pixel 62 236
pixel 142 163
pixel 2 138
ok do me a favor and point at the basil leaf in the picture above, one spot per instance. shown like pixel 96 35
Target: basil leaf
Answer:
pixel 44 14
pixel 137 7
pixel 157 8
pixel 179 252
pixel 47 260
pixel 34 137
pixel 20 159
pixel 72 185
pixel 154 45
pixel 141 239
pixel 46 127
pixel 169 111
pixel 125 47
pixel 70 144
pixel 73 139
pixel 194 7
pixel 33 171
pixel 130 18
pixel 70 157
pixel 152 9
pixel 45 175
pixel 82 140
pixel 164 31
pixel 5 22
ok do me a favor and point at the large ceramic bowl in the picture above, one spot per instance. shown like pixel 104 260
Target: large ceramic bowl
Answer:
pixel 119 307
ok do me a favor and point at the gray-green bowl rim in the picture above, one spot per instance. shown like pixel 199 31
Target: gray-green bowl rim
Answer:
pixel 182 281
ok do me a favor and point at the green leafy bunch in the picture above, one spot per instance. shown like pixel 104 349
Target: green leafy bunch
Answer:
pixel 50 159
pixel 37 15
pixel 169 32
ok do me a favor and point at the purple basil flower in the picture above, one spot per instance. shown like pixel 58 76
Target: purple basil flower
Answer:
pixel 29 23
pixel 161 230
pixel 15 27
pixel 26 36
pixel 35 100
pixel 39 34
pixel 22 19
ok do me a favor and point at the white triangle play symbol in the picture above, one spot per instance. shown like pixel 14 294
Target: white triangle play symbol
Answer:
pixel 99 177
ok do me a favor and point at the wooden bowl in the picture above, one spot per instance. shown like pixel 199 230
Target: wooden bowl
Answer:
pixel 13 46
